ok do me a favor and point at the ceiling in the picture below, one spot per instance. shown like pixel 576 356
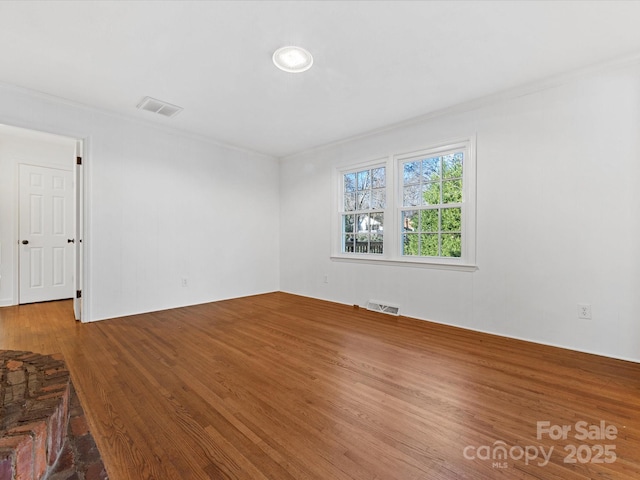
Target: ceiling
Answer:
pixel 375 63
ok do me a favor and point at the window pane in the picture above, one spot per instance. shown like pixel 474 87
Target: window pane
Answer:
pixel 451 219
pixel 363 223
pixel 376 244
pixel 379 177
pixel 410 244
pixel 429 244
pixel 350 182
pixel 431 169
pixel 348 243
pixel 452 191
pixel 410 220
pixel 376 236
pixel 364 200
pixel 377 222
pixel 349 202
pixel 431 193
pixel 451 245
pixel 378 198
pixel 411 172
pixel 348 223
pixel 429 220
pixel 452 165
pixel 362 243
pixel 364 180
pixel 411 196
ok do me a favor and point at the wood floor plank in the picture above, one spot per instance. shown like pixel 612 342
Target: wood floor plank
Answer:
pixel 282 387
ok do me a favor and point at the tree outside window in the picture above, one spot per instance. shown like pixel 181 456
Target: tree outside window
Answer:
pixel 364 200
pixel 431 212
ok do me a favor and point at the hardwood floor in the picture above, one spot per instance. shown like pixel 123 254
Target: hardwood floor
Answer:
pixel 284 387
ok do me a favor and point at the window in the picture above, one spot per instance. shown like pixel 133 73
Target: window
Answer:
pixel 431 210
pixel 364 198
pixel 412 208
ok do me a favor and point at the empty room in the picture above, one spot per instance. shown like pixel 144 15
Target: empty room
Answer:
pixel 319 240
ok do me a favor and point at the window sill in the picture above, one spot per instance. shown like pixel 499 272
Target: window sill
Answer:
pixel 373 260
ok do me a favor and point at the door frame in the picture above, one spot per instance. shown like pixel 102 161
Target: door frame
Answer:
pixel 78 233
pixel 81 284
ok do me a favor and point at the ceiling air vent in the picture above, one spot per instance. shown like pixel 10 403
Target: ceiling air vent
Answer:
pixel 158 106
pixel 376 306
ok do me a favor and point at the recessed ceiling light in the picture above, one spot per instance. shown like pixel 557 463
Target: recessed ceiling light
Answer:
pixel 292 59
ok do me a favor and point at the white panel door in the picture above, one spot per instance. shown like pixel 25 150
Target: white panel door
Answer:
pixel 46 234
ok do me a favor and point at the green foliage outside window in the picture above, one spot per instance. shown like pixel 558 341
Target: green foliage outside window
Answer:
pixel 434 187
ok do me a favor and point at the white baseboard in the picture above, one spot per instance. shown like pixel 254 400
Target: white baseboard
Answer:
pixel 6 302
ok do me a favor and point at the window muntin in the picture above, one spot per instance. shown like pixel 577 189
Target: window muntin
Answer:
pixel 432 201
pixel 364 199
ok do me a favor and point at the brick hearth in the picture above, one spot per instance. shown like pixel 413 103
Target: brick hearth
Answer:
pixel 34 413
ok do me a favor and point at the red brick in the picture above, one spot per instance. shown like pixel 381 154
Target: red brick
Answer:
pixel 37 390
pixel 14 364
pixel 79 426
pixel 57 428
pixel 50 395
pixel 66 461
pixel 56 387
pixel 96 471
pixel 22 445
pixel 9 442
pixel 6 470
pixel 57 371
pixel 87 449
pixel 38 433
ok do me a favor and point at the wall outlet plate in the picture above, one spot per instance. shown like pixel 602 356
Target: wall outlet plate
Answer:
pixel 584 311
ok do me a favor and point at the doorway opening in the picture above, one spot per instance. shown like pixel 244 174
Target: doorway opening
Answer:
pixel 41 250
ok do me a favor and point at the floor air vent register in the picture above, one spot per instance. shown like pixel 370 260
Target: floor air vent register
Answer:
pixel 381 307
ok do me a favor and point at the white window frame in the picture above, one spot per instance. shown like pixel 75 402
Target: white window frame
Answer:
pixel 338 203
pixel 392 247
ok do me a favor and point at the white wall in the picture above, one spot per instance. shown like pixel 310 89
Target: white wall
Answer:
pixel 22 146
pixel 557 219
pixel 161 206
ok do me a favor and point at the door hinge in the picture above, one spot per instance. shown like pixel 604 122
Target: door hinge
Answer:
pixel 78 160
pixel 78 293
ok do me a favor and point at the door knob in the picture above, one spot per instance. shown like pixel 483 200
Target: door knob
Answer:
pixel 71 240
pixel 25 242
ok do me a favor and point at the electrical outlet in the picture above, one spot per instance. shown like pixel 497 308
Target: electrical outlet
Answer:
pixel 584 311
pixel 184 282
pixel 326 279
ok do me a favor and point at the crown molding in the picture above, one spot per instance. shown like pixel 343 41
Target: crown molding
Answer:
pixel 495 98
pixel 110 113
